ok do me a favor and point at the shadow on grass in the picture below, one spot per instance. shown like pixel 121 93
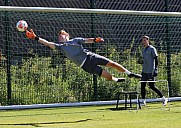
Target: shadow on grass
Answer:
pixel 42 114
pixel 118 109
pixel 38 124
pixel 122 108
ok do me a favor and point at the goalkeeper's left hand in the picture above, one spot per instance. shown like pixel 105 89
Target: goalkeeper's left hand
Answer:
pixel 98 39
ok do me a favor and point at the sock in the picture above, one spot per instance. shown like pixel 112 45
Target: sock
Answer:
pixel 127 72
pixel 114 79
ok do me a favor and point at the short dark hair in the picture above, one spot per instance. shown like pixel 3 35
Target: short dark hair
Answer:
pixel 147 37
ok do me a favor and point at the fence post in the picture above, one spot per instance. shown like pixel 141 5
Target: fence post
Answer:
pixel 168 48
pixel 94 49
pixel 7 51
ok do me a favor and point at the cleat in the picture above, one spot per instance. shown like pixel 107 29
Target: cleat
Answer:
pixel 121 80
pixel 165 100
pixel 143 102
pixel 134 75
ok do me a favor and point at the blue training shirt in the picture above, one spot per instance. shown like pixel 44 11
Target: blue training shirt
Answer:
pixel 74 50
pixel 148 59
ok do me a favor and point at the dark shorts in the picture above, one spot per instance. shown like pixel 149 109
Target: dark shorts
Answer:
pixel 92 62
pixel 147 77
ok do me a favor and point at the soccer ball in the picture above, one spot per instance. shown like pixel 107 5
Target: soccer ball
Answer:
pixel 22 25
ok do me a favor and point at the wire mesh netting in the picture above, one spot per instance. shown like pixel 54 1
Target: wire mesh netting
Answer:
pixel 40 75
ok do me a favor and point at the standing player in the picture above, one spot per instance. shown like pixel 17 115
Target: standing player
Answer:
pixel 150 69
pixel 83 58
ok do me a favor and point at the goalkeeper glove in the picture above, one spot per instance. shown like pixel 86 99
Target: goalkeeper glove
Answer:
pixel 98 39
pixel 31 35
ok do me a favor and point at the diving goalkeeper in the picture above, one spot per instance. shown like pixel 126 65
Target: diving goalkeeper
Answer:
pixel 87 60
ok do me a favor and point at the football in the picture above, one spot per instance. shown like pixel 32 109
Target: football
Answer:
pixel 22 26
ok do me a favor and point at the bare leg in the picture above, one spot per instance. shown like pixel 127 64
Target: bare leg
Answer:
pixel 109 77
pixel 116 66
pixel 106 75
pixel 120 68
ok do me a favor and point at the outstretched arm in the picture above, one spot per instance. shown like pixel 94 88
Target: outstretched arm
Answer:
pixel 46 43
pixel 94 40
pixel 31 35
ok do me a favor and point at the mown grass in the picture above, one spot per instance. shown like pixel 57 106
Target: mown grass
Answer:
pixel 151 116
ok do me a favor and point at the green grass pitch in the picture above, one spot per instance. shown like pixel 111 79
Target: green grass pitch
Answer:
pixel 154 115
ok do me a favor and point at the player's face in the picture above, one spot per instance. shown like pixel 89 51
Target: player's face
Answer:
pixel 145 42
pixel 63 37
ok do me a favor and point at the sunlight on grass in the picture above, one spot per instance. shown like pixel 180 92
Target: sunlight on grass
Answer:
pixel 151 116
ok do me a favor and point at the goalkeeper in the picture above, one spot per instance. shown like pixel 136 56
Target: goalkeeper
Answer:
pixel 149 69
pixel 87 60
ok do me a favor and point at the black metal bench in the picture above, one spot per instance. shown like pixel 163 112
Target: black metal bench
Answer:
pixel 130 93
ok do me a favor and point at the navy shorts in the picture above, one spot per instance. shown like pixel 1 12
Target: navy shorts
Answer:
pixel 147 77
pixel 92 62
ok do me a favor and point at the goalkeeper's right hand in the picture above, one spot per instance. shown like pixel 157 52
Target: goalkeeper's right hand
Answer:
pixel 30 34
